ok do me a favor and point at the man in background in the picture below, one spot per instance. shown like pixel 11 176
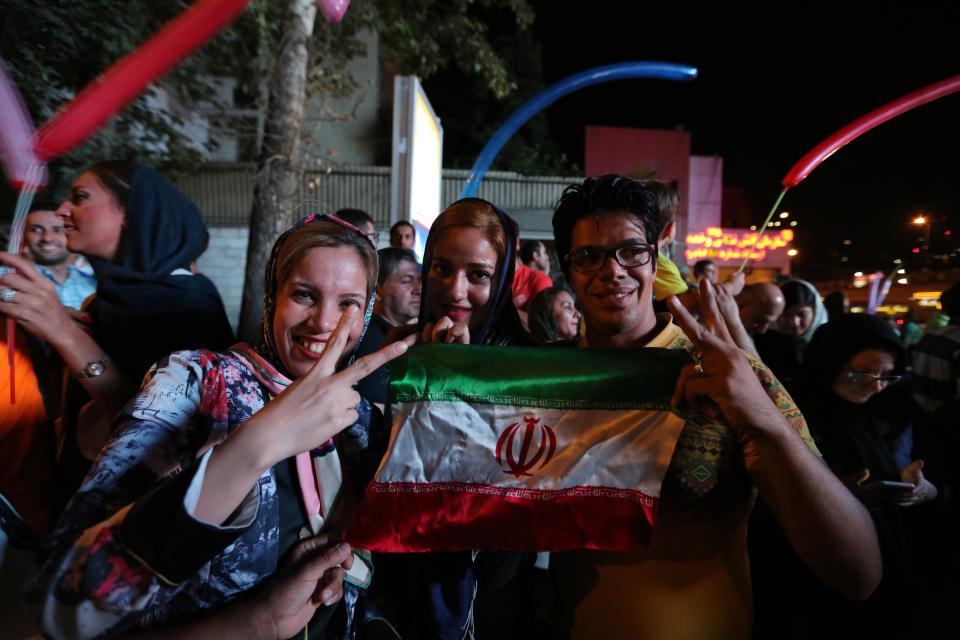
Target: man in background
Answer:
pixel 533 253
pixel 45 242
pixel 527 283
pixel 361 220
pixel 398 287
pixel 705 269
pixel 936 361
pixel 403 235
pixel 750 313
pixel 760 305
pixel 398 303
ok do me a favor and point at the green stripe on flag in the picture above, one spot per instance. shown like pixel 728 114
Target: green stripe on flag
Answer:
pixel 549 377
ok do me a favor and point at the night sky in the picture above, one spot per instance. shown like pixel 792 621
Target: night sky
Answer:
pixel 773 83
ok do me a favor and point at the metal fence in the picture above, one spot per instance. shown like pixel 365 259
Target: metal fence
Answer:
pixel 224 193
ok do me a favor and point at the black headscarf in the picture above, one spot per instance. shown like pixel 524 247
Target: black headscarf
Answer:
pixel 142 311
pixel 846 431
pixel 502 325
pixel 835 342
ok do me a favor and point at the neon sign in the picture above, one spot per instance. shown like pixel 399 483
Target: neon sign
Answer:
pixel 731 245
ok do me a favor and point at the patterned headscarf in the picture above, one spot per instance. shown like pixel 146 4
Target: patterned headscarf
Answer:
pixel 268 348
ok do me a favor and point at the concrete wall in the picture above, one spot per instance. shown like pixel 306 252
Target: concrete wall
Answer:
pixel 224 262
pixel 224 195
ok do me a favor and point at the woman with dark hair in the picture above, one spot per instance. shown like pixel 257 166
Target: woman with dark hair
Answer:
pixel 552 316
pixel 468 267
pixel 140 234
pixel 466 298
pixel 183 510
pixel 782 349
pixel 850 360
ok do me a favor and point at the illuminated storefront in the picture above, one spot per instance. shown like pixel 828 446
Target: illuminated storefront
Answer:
pixel 770 252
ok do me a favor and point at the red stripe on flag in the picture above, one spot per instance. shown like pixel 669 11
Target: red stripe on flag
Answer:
pixel 399 517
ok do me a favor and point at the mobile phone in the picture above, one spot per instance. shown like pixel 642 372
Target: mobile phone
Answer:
pixel 889 484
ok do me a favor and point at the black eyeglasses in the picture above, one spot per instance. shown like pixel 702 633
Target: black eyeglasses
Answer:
pixel 628 256
pixel 865 379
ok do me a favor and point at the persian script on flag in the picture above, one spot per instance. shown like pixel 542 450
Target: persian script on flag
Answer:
pixel 528 449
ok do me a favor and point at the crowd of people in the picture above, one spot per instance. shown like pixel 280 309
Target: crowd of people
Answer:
pixel 166 480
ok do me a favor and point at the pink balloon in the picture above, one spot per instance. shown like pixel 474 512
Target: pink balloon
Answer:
pixel 333 10
pixel 16 138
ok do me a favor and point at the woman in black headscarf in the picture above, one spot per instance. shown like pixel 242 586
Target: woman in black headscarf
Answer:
pixel 850 360
pixel 865 441
pixel 141 235
pixel 468 265
pixel 466 298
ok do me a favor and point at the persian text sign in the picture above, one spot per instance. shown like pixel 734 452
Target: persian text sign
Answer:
pixel 735 245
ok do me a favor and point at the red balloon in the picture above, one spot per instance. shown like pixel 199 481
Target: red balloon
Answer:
pixel 860 126
pixel 128 77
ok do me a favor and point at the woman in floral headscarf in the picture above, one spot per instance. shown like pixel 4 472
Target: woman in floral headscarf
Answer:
pixel 183 510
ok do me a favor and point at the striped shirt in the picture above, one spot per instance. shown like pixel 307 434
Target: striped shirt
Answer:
pixel 936 367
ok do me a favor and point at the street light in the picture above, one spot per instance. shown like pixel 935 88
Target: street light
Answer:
pixel 792 252
pixel 921 221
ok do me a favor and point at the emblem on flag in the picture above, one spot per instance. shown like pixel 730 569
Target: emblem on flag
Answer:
pixel 521 464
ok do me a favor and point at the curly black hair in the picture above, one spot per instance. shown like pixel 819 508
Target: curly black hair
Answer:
pixel 600 196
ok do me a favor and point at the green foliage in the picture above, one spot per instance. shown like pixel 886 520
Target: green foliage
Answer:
pixel 426 36
pixel 531 151
pixel 54 49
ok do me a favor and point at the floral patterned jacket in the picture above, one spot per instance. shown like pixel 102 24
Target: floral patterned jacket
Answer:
pixel 127 552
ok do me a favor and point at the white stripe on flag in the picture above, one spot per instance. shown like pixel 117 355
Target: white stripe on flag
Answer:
pixel 456 442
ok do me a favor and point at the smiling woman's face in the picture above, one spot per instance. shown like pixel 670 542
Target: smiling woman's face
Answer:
pixel 565 316
pixel 460 279
pixel 92 218
pixel 320 287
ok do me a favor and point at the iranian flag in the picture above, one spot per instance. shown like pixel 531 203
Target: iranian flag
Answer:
pixel 528 449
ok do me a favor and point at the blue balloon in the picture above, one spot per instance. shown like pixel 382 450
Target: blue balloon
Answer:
pixel 533 106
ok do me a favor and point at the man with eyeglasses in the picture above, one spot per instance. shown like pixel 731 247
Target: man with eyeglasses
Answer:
pixel 742 431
